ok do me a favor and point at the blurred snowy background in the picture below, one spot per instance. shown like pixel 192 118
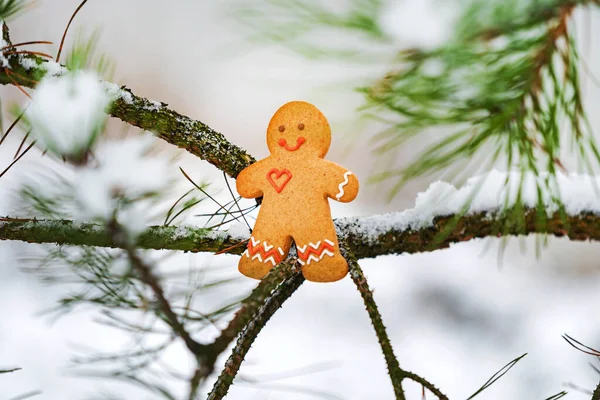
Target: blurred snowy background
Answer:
pixel 454 316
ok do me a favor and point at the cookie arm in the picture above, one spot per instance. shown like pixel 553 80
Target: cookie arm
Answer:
pixel 248 182
pixel 341 184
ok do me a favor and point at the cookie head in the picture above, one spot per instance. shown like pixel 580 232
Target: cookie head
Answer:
pixel 298 129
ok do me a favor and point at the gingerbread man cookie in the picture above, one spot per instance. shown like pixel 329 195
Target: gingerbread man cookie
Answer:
pixel 296 184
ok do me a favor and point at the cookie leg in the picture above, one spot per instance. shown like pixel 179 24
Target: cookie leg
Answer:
pixel 321 259
pixel 263 253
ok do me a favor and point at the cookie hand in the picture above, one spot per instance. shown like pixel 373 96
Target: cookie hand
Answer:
pixel 248 182
pixel 347 188
pixel 340 184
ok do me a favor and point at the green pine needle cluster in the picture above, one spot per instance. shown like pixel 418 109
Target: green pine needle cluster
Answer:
pixel 11 8
pixel 83 54
pixel 503 91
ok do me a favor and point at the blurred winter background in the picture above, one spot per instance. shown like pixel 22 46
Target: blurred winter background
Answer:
pixel 454 316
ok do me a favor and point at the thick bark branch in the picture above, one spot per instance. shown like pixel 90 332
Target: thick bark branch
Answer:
pixel 252 328
pixel 147 276
pixel 363 236
pixel 179 130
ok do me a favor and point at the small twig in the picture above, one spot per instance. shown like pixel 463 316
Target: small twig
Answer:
pixel 17 159
pixel 596 394
pixel 7 371
pixel 252 304
pixel 62 41
pixel 10 46
pixel 21 145
pixel 147 276
pixel 228 249
pixel 236 202
pixel 221 207
pixel 394 370
pixel 580 346
pixel 426 384
pixel 37 53
pixel 8 73
pixel 11 127
pixel 252 329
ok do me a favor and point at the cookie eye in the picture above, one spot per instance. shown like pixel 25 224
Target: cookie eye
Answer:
pixel 281 128
pixel 300 126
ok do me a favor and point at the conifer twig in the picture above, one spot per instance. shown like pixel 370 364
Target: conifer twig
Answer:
pixel 251 330
pixel 396 374
pixel 354 231
pixel 147 276
pixel 251 304
pixel 176 129
pixel 596 395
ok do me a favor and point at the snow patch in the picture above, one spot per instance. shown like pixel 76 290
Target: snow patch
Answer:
pixel 67 113
pixel 122 183
pixel 485 193
pixel 239 231
pixel 117 93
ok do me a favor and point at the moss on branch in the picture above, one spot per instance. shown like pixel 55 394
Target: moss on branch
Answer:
pixel 179 130
pixel 356 232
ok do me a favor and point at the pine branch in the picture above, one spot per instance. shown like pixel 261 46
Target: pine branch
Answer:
pixel 147 276
pixel 396 373
pixel 179 130
pixel 257 300
pixel 358 277
pixel 596 395
pixel 426 384
pixel 253 328
pixel 252 304
pixel 358 232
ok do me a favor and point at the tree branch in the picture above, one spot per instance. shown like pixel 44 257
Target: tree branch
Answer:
pixel 596 394
pixel 253 327
pixel 365 236
pixel 147 276
pixel 397 374
pixel 360 281
pixel 179 130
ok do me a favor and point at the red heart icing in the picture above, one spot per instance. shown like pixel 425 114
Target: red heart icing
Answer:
pixel 276 174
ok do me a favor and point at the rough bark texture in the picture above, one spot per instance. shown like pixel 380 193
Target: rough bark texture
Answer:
pixel 179 130
pixel 441 234
pixel 252 328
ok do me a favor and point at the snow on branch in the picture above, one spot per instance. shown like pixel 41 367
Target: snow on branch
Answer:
pixel 179 130
pixel 435 222
pixel 66 113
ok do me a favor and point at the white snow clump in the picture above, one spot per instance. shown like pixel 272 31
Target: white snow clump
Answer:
pixel 123 183
pixel 67 113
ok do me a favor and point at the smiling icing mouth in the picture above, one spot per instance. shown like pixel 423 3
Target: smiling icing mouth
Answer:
pixel 299 142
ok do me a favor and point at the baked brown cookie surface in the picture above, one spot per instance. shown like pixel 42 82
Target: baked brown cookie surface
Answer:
pixel 296 183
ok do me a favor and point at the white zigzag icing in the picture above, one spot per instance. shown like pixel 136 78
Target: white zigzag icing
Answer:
pixel 327 252
pixel 255 242
pixel 270 259
pixel 312 257
pixel 341 186
pixel 302 248
pixel 315 246
pixel 328 242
